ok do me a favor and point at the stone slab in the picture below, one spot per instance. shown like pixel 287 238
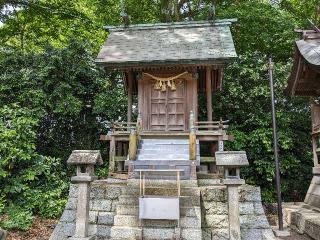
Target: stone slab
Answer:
pixel 89 157
pixel 83 238
pixel 281 233
pixel 316 171
pixel 231 158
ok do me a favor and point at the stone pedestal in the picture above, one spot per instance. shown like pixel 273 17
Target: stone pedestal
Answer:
pixel 82 216
pixel 233 207
pixel 84 160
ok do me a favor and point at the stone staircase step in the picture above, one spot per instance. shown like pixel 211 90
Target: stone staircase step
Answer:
pixel 185 201
pixel 135 191
pixel 165 141
pixel 134 211
pixel 121 233
pixel 156 233
pixel 172 191
pixel 191 234
pixel 161 162
pixel 163 156
pixel 133 221
pixel 126 221
pixel 123 209
pixel 163 183
pixel 167 150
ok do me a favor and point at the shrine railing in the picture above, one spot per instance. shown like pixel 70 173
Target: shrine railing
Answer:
pixel 211 125
pixel 198 128
pixel 131 129
pixel 122 127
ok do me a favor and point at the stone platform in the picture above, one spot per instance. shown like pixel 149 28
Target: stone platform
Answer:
pixel 303 218
pixel 204 212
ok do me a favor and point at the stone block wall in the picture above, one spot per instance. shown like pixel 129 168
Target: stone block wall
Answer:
pixel 304 218
pixel 214 207
pixel 104 198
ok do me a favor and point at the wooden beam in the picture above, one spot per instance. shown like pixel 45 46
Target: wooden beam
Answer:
pixel 130 84
pixel 209 93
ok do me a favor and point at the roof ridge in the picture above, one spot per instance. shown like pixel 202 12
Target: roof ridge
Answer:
pixel 184 24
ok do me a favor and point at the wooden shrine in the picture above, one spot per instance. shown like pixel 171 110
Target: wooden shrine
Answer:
pixel 170 138
pixel 305 81
pixel 166 67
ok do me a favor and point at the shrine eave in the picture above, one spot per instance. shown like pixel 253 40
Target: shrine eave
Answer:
pixel 305 76
pixel 181 63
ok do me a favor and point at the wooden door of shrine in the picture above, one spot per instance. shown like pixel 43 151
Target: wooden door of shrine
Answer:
pixel 167 108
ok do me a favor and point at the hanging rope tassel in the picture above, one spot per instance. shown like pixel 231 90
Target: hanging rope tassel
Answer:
pixel 173 86
pixel 164 87
pixel 161 83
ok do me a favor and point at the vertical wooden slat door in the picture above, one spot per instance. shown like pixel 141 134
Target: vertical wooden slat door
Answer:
pixel 158 110
pixel 176 107
pixel 168 108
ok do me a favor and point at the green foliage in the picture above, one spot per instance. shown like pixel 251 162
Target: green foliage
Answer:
pixel 28 181
pixel 303 9
pixel 17 218
pixel 246 102
pixel 262 28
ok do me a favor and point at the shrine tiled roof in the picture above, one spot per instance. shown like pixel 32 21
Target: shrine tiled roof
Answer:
pixel 198 42
pixel 305 75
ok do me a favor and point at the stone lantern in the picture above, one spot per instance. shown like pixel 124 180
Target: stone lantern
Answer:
pixel 232 161
pixel 84 160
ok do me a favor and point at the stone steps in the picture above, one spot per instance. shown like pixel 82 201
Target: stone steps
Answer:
pixel 153 233
pixel 134 210
pixel 164 141
pixel 185 201
pixel 156 150
pixel 164 149
pixel 133 221
pixel 125 233
pixel 165 191
pixel 135 183
pixel 156 233
pixel 163 156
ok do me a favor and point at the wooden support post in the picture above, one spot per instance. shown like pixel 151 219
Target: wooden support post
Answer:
pixel 130 83
pixel 178 183
pixel 209 93
pixel 140 183
pixel 132 144
pixel 112 154
pixel 144 185
pixel 192 138
pixel 315 141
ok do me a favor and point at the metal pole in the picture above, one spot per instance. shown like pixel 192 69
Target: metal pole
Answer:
pixel 275 147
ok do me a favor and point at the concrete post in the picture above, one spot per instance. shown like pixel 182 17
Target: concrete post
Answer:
pixel 82 216
pixel 233 208
pixel 82 210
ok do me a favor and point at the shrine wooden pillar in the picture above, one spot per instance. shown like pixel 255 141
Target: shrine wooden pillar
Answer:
pixel 130 83
pixel 209 93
